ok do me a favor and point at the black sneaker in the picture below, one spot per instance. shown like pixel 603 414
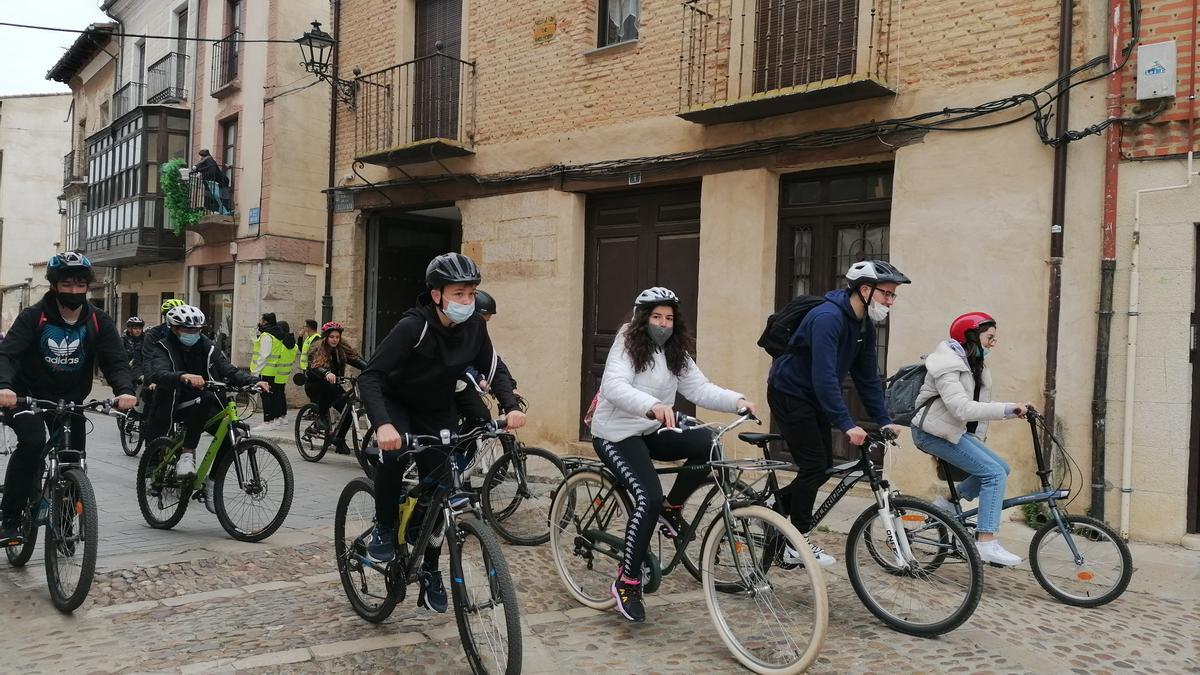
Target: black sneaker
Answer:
pixel 11 535
pixel 629 599
pixel 380 546
pixel 433 592
pixel 670 520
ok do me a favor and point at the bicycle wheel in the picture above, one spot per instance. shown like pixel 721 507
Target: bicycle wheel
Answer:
pixel 587 535
pixel 485 601
pixel 162 497
pixel 516 494
pixel 19 555
pixel 71 540
pixel 310 441
pixel 130 428
pixel 775 620
pixel 252 489
pixel 368 586
pixel 1099 578
pixel 701 507
pixel 910 593
pixel 247 405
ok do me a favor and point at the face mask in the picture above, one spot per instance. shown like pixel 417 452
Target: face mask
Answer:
pixel 188 340
pixel 459 313
pixel 983 351
pixel 659 334
pixel 878 312
pixel 72 300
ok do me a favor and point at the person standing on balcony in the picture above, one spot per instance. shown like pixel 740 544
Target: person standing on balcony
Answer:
pixel 215 180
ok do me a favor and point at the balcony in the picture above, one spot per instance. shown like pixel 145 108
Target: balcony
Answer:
pixel 226 63
pixel 416 111
pixel 219 221
pixel 750 59
pixel 127 98
pixel 167 79
pixel 72 169
pixel 131 233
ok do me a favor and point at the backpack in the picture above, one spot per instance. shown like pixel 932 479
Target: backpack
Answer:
pixel 903 388
pixel 782 324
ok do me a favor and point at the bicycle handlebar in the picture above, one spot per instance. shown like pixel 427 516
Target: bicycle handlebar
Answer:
pixel 40 405
pixel 213 385
pixel 417 443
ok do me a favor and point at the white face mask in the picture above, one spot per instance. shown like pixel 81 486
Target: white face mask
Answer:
pixel 878 312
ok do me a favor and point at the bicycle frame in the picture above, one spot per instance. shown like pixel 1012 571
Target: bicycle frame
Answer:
pixel 224 420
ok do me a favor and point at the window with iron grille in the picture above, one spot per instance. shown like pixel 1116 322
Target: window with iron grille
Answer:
pixel 617 22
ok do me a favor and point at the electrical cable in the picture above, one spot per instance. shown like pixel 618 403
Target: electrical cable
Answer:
pixel 175 38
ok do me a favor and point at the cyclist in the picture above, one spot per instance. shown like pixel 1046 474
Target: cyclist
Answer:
pixel 50 352
pixel 151 426
pixel 133 338
pixel 467 398
pixel 650 360
pixel 179 365
pixel 804 389
pixel 327 362
pixel 953 426
pixel 408 386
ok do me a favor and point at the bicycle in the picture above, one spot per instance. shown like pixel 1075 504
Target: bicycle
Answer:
pixel 485 600
pixel 1078 559
pixel 898 539
pixel 772 622
pixel 251 503
pixel 65 504
pixel 313 440
pixel 129 425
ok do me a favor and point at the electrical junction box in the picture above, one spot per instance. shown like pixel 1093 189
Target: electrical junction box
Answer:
pixel 1156 70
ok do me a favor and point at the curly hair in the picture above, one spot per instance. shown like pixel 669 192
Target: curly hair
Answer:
pixel 640 346
pixel 322 355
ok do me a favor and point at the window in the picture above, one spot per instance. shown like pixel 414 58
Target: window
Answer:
pixel 229 132
pixel 140 75
pixel 617 22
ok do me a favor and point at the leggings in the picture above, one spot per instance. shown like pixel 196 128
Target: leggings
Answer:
pixel 630 461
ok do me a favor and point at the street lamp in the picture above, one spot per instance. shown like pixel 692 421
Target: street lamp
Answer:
pixel 62 205
pixel 316 48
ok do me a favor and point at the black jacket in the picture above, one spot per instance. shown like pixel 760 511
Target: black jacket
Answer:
pixel 133 348
pixel 164 365
pixel 210 170
pixel 420 361
pixel 44 357
pixel 336 365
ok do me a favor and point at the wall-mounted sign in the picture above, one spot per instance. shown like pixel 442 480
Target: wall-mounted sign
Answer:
pixel 254 216
pixel 544 29
pixel 343 201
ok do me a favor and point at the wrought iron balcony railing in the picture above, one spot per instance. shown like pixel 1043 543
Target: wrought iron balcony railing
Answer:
pixel 167 79
pixel 72 169
pixel 428 103
pixel 127 98
pixel 226 57
pixel 211 196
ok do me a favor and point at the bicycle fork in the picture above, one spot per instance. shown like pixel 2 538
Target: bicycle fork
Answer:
pixel 897 536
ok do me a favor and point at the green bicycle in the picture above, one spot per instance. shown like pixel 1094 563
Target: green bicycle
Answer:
pixel 251 487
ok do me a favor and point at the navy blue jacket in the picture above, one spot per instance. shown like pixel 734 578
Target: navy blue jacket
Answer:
pixel 829 344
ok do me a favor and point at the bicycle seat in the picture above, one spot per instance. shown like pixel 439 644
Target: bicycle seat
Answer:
pixel 758 439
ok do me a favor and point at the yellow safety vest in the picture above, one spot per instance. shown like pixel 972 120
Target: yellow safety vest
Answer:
pixel 282 359
pixel 255 360
pixel 304 349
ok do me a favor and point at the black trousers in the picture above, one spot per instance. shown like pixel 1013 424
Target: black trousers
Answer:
pixel 194 416
pixel 807 431
pixel 325 395
pixel 275 402
pixel 25 464
pixel 630 461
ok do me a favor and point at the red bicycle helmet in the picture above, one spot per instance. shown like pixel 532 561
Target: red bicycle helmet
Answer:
pixel 970 321
pixel 331 326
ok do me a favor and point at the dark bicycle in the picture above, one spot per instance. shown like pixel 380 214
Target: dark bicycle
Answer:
pixel 1078 559
pixel 314 437
pixel 64 504
pixel 485 600
pixel 129 424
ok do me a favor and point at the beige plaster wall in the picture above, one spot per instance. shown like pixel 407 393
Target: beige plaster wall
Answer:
pixel 150 282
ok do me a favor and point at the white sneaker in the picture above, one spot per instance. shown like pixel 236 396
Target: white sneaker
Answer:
pixel 265 426
pixel 792 557
pixel 280 423
pixel 993 553
pixel 185 466
pixel 945 505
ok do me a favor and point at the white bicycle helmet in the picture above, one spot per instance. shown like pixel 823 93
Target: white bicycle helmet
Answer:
pixel 875 272
pixel 186 316
pixel 657 295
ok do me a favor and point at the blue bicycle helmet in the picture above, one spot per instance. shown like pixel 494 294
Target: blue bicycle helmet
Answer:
pixel 69 264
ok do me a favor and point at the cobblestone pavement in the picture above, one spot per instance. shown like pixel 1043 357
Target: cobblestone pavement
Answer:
pixel 201 603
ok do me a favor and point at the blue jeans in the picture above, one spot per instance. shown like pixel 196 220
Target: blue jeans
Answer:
pixel 214 191
pixel 989 473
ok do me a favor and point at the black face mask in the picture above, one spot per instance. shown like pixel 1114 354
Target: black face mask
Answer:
pixel 72 300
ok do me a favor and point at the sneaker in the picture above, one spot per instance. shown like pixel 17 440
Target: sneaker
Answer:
pixel 208 496
pixel 792 557
pixel 380 546
pixel 10 535
pixel 433 592
pixel 260 428
pixel 992 553
pixel 185 466
pixel 629 599
pixel 670 520
pixel 945 505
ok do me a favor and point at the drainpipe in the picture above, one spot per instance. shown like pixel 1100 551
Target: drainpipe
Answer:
pixel 1108 263
pixel 327 297
pixel 1057 216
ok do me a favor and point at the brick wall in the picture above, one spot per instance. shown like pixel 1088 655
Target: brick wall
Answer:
pixel 1167 133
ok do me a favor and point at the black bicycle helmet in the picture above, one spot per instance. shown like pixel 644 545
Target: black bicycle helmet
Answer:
pixel 451 268
pixel 484 302
pixel 874 272
pixel 69 264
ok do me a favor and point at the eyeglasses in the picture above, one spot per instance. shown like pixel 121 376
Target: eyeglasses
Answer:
pixel 991 339
pixel 887 295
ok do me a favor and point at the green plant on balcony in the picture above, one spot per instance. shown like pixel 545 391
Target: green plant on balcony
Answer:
pixel 177 196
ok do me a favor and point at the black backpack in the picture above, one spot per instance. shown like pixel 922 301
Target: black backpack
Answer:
pixel 903 388
pixel 782 324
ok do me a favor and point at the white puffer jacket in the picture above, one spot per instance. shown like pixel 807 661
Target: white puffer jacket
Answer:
pixel 949 378
pixel 626 396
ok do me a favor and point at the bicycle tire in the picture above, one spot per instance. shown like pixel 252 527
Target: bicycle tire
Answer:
pixel 696 545
pixel 311 447
pixel 803 589
pixel 257 489
pixel 349 565
pixel 533 528
pixel 589 586
pixel 123 424
pixel 493 576
pixel 1098 528
pixel 19 555
pixel 961 551
pixel 69 523
pixel 156 476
